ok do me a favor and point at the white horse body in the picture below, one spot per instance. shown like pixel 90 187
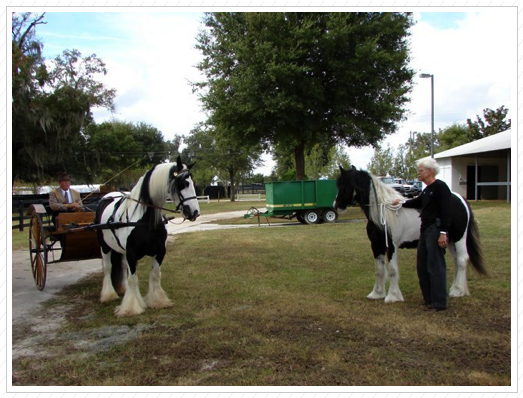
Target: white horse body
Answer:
pixel 139 230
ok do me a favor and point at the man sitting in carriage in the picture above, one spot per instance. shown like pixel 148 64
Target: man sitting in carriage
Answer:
pixel 64 199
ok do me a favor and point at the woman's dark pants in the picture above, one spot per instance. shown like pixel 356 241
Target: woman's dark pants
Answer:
pixel 432 269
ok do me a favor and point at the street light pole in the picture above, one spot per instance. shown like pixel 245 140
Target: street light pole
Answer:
pixel 424 76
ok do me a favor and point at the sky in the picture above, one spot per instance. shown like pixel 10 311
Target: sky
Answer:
pixel 151 60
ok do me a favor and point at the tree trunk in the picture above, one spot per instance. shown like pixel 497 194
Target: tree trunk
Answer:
pixel 14 164
pixel 231 175
pixel 299 157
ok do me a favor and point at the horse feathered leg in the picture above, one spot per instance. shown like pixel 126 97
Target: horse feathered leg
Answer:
pixel 459 255
pixel 108 293
pixel 381 276
pixel 132 303
pixel 156 296
pixel 379 249
pixel 394 293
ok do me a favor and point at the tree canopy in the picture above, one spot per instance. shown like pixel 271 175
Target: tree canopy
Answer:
pixel 51 108
pixel 295 80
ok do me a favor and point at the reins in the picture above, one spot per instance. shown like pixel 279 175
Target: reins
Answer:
pixel 168 220
pixel 153 206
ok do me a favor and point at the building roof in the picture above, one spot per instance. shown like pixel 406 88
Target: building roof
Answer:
pixel 491 143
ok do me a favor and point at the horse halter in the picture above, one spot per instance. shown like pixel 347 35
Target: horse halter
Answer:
pixel 178 180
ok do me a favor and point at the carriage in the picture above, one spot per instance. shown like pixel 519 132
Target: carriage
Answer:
pixel 124 229
pixel 65 239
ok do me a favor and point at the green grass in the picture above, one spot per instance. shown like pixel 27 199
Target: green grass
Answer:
pixel 287 306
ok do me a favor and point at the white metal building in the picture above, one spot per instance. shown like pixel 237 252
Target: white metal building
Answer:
pixel 479 169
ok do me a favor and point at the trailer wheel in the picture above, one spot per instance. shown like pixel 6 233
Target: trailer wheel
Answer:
pixel 330 216
pixel 312 217
pixel 300 217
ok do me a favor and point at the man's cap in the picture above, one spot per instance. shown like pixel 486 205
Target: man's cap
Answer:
pixel 63 177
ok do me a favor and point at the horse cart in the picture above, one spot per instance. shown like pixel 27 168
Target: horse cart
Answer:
pixel 311 202
pixel 65 239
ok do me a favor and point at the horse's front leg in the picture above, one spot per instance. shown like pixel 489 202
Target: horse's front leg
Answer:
pixel 108 292
pixel 378 292
pixel 156 296
pixel 394 293
pixel 132 303
pixel 377 244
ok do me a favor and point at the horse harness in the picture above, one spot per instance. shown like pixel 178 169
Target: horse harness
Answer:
pixel 176 185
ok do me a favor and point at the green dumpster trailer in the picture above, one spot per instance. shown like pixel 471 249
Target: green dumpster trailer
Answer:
pixel 311 202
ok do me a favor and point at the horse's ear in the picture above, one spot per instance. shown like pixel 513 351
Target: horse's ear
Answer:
pixel 341 169
pixel 353 168
pixel 191 166
pixel 179 163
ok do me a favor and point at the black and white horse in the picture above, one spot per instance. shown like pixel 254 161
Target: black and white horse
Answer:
pixel 390 228
pixel 136 228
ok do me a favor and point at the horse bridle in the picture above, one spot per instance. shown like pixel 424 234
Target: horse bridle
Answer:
pixel 178 177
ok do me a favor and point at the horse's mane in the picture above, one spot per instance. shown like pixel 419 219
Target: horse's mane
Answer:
pixel 378 195
pixel 152 189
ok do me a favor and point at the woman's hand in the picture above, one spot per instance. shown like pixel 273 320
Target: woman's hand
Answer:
pixel 442 241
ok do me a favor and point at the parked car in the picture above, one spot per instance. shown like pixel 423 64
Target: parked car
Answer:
pixel 408 189
pixel 418 186
pixel 390 181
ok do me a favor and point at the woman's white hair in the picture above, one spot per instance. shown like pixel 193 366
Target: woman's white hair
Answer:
pixel 429 163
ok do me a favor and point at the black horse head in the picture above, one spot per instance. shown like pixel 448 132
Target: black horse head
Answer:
pixel 353 188
pixel 182 190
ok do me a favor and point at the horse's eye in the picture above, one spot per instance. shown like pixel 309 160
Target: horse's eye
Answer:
pixel 186 184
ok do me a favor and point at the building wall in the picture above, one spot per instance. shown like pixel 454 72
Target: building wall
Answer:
pixel 454 173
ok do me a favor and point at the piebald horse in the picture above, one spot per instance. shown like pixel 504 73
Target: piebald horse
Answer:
pixel 136 228
pixel 391 228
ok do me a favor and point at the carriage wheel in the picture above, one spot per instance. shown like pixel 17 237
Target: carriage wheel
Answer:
pixel 38 251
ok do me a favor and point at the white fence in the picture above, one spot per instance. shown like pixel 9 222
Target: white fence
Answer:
pixel 248 197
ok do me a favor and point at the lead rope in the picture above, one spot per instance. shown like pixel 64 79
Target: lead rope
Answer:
pixel 383 217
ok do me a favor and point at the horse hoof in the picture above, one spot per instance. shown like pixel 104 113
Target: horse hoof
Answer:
pixel 392 299
pixel 374 296
pixel 105 298
pixel 119 312
pixel 159 304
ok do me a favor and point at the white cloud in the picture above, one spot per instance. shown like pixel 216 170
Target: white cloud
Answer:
pixel 152 76
pixel 466 62
pixel 473 67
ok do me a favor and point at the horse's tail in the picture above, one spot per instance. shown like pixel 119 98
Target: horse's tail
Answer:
pixel 474 246
pixel 117 272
